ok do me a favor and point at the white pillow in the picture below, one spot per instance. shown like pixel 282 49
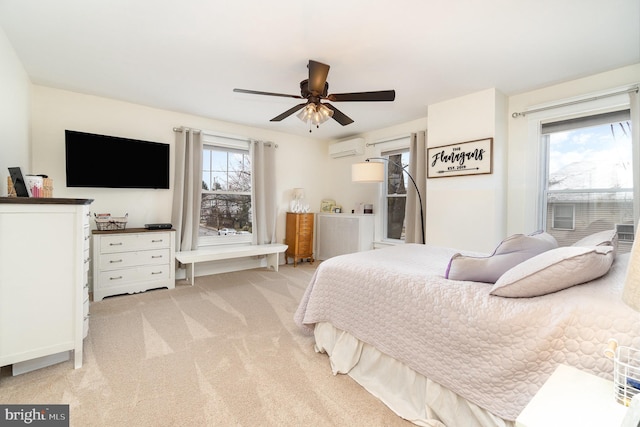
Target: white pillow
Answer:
pixel 554 270
pixel 601 238
pixel 509 253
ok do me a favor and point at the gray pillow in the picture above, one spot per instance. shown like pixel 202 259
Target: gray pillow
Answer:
pixel 509 253
pixel 554 270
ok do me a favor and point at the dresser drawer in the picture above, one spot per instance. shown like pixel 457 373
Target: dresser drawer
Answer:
pixel 115 278
pixel 131 259
pixel 85 317
pixel 305 221
pixel 134 242
pixel 86 258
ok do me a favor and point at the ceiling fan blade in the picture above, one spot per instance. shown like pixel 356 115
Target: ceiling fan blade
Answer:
pixel 380 95
pixel 339 116
pixel 257 92
pixel 318 73
pixel 287 113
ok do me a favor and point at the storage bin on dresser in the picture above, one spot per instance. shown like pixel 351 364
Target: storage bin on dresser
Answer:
pixel 44 290
pixel 132 260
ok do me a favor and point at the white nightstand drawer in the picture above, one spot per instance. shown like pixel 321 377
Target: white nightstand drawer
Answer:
pixel 113 261
pixel 134 242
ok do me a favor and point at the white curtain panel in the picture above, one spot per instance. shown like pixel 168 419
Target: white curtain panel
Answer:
pixel 263 187
pixel 187 191
pixel 418 170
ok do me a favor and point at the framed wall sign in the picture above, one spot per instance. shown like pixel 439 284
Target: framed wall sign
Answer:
pixel 465 158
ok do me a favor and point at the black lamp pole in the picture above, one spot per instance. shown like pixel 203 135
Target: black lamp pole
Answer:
pixel 414 185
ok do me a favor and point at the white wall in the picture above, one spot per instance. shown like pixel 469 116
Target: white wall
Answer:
pixel 523 154
pixel 468 212
pixel 301 162
pixel 14 113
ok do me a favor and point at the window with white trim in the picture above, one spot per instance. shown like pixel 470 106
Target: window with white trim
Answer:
pixel 588 179
pixel 563 216
pixel 395 193
pixel 225 210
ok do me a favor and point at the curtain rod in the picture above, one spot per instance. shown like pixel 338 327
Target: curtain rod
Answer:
pixel 182 129
pixel 268 144
pixel 579 101
pixel 383 141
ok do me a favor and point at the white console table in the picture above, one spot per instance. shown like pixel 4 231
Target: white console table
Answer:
pixel 571 397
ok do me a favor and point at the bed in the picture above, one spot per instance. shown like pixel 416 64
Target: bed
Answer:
pixel 443 352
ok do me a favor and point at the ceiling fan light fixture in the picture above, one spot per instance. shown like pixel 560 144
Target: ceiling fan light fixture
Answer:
pixel 316 88
pixel 307 112
pixel 315 113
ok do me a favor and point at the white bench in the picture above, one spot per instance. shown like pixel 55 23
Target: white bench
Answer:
pixel 217 253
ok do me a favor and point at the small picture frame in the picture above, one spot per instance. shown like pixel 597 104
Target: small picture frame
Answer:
pixel 19 184
pixel 327 205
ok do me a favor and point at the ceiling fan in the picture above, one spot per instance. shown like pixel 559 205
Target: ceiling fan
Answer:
pixel 314 89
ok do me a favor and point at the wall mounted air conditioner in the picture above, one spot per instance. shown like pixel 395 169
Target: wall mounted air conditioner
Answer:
pixel 350 147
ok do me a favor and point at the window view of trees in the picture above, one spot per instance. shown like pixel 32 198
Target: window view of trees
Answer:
pixel 226 192
pixel 396 194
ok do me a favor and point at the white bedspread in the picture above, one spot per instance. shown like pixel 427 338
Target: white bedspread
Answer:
pixel 496 352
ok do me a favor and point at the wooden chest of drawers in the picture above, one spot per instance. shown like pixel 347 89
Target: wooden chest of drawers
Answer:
pixel 299 237
pixel 134 260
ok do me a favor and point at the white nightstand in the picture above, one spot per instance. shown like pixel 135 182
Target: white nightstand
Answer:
pixel 571 397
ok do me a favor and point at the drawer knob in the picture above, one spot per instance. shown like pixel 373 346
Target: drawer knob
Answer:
pixel 115 244
pixel 115 261
pixel 115 278
pixel 156 272
pixel 156 256
pixel 157 241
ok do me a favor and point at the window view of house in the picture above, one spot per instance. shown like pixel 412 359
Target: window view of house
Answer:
pixel 589 178
pixel 396 193
pixel 226 192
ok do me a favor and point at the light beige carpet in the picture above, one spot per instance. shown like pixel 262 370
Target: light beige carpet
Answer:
pixel 224 352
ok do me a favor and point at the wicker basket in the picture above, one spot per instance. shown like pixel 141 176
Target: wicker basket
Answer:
pixel 626 371
pixel 111 222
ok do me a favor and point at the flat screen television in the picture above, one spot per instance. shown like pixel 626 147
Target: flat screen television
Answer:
pixel 112 162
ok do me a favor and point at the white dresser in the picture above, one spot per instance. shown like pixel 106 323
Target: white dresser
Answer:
pixel 132 260
pixel 44 291
pixel 339 234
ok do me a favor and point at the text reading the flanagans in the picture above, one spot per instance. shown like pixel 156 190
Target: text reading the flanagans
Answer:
pixel 457 156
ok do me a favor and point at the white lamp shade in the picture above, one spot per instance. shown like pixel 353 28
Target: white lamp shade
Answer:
pixel 631 291
pixel 367 172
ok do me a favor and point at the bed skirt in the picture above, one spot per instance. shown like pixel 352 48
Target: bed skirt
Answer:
pixel 407 393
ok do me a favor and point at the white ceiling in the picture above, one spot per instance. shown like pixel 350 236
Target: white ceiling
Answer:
pixel 188 55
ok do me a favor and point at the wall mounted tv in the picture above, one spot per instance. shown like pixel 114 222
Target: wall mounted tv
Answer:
pixel 112 162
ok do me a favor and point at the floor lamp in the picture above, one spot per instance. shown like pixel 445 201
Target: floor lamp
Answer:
pixel 368 171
